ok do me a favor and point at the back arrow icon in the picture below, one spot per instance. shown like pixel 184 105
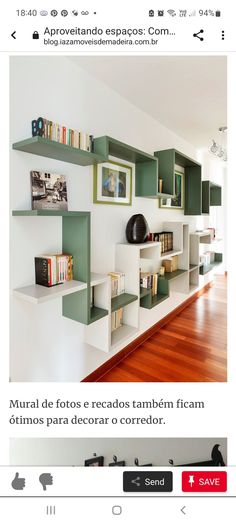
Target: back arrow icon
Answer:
pixel 182 509
pixel 13 35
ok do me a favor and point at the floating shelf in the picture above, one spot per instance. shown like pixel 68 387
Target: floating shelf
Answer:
pixel 122 334
pixel 49 148
pixel 148 301
pixel 170 254
pixel 37 294
pixel 122 300
pixel 105 146
pixel 97 278
pixel 144 292
pixel 203 270
pixel 96 313
pixel 175 274
pixel 154 301
pixel 192 267
pixel 49 213
pixel 211 196
pixel 168 159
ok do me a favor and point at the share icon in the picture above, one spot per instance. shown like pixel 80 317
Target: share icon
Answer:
pixel 196 35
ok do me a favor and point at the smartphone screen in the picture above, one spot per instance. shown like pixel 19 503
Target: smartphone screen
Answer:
pixel 117 263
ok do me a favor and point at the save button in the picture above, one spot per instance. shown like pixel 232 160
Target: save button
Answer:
pixel 204 481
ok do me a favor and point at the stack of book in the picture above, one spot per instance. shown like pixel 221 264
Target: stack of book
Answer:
pixel 149 281
pixel 51 270
pixel 166 239
pixel 117 283
pixel 116 319
pixel 63 135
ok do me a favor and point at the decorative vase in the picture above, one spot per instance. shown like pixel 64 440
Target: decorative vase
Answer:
pixel 137 229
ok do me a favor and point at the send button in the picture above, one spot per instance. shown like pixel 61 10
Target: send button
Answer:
pixel 147 481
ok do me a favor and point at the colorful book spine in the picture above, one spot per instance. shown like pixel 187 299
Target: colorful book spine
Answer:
pixel 58 133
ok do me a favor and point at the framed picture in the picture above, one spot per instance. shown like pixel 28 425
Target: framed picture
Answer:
pixel 48 191
pixel 176 202
pixel 94 462
pixel 112 184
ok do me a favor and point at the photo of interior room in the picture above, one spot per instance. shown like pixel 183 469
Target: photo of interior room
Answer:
pixel 194 452
pixel 118 260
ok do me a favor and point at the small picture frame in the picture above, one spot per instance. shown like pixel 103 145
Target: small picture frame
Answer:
pixel 48 191
pixel 112 183
pixel 176 202
pixel 94 462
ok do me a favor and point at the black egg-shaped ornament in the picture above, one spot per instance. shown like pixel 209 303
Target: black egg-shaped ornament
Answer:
pixel 137 229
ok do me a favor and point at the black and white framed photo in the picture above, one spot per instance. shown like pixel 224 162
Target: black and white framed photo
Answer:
pixel 48 191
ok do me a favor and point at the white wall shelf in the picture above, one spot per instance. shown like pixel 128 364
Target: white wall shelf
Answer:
pixel 37 294
pixel 122 335
pixel 200 243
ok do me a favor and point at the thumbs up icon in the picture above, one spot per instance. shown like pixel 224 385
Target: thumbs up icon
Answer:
pixel 18 483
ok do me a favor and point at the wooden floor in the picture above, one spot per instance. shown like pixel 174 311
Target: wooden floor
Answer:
pixel 190 348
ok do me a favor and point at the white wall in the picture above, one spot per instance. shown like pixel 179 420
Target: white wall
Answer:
pixel 73 452
pixel 44 345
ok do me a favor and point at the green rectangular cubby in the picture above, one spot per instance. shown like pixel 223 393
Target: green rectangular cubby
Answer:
pixel 146 165
pixel 203 269
pixel 122 300
pixel 211 196
pixel 149 301
pixel 168 160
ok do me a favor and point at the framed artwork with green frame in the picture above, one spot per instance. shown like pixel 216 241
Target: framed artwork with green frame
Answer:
pixel 112 183
pixel 176 202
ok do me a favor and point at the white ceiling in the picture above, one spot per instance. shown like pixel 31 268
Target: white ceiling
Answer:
pixel 187 94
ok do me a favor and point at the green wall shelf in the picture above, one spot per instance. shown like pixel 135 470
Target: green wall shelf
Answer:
pixel 144 292
pixel 203 270
pixel 76 241
pixel 211 196
pixel 96 313
pixel 148 301
pixel 146 166
pixel 175 274
pixel 51 149
pixel 105 146
pixel 122 300
pixel 168 159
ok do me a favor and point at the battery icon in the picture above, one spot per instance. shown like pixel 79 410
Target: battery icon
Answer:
pixel 218 13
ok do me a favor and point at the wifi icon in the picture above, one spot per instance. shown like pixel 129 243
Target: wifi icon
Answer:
pixel 171 12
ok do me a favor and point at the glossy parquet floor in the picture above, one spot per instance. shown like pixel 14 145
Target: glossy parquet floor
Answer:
pixel 190 348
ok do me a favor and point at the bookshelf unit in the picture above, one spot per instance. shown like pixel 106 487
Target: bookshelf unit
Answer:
pixel 198 242
pixel 131 257
pixel 168 159
pixel 87 299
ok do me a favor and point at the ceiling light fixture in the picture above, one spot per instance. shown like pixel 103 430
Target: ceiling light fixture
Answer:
pixel 219 149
